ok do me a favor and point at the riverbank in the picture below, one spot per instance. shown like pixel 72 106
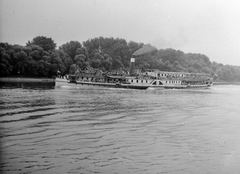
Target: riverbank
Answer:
pixel 25 82
pixel 26 79
pixel 226 83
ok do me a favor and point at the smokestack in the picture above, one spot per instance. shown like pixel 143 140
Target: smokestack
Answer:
pixel 132 64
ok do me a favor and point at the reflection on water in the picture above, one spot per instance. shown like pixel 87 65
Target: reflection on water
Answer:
pixel 84 129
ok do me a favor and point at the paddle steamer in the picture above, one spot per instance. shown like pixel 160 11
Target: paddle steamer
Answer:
pixel 149 79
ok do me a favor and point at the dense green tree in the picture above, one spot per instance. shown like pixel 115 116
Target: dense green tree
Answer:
pixel 70 48
pixel 67 61
pixel 32 68
pixel 5 66
pixel 44 68
pixel 96 59
pixel 39 58
pixel 73 69
pixel 79 60
pixel 83 51
pixel 36 55
pixel 95 44
pixel 115 48
pixel 117 64
pixel 106 64
pixel 57 64
pixel 20 63
pixel 44 42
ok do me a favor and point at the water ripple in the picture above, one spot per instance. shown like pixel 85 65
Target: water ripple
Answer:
pixel 100 130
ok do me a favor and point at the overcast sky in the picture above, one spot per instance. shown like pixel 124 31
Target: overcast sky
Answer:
pixel 210 27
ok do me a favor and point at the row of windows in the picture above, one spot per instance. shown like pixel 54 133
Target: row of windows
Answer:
pixel 173 81
pixel 160 83
pixel 174 75
pixel 181 75
pixel 140 81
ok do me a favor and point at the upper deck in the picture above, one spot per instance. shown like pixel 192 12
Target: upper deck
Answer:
pixel 175 75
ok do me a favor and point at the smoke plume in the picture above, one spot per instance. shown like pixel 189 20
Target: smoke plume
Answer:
pixel 144 50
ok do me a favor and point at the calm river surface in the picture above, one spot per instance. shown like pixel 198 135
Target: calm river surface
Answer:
pixel 84 129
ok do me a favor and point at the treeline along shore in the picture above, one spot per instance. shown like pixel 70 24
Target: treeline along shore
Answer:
pixel 40 58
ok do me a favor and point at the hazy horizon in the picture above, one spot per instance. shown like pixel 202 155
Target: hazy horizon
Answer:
pixel 198 26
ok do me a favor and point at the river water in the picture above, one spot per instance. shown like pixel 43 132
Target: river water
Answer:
pixel 84 129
